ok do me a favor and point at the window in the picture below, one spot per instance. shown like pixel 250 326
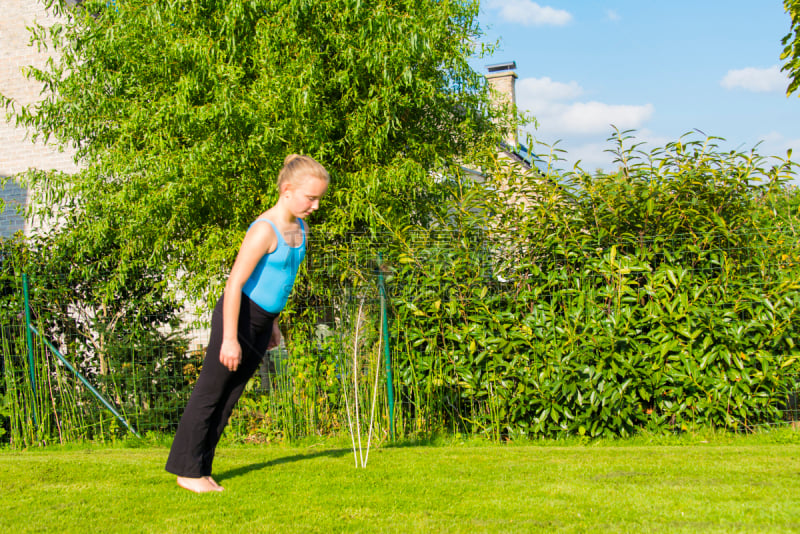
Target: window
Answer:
pixel 13 197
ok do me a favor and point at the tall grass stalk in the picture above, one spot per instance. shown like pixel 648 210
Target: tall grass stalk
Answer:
pixel 25 405
pixel 59 410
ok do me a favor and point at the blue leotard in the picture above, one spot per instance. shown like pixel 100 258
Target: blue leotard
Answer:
pixel 272 279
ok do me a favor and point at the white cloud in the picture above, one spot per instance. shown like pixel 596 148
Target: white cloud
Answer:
pixel 531 90
pixel 597 117
pixel 612 15
pixel 756 80
pixel 530 13
pixel 581 126
pixel 553 105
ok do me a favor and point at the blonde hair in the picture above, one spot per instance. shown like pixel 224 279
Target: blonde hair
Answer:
pixel 295 165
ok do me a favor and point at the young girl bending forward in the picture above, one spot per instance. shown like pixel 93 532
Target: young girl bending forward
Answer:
pixel 244 326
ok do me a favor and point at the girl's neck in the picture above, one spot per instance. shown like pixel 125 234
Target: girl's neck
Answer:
pixel 279 214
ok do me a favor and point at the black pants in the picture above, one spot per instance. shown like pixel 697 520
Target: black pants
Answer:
pixel 217 390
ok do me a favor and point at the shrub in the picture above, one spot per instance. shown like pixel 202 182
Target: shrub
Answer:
pixel 659 296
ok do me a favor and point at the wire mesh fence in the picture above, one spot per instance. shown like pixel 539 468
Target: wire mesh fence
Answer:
pixel 480 338
pixel 56 384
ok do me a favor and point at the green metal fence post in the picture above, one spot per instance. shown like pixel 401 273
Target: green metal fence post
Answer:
pixel 29 337
pixel 386 348
pixel 86 383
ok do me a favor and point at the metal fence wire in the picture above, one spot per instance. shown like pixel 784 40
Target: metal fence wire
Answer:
pixel 73 380
pixel 95 374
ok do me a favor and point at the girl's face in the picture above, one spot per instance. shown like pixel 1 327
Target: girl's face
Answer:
pixel 303 195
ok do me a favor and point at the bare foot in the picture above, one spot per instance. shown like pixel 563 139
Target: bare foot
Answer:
pixel 197 485
pixel 217 487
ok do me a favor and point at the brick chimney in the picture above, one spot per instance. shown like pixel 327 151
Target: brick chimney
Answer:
pixel 502 79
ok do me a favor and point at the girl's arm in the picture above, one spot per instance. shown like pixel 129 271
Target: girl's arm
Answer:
pixel 259 240
pixel 275 340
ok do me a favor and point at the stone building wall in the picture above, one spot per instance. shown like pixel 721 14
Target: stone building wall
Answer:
pixel 17 152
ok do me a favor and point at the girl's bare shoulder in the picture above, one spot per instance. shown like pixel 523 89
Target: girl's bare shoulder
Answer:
pixel 261 236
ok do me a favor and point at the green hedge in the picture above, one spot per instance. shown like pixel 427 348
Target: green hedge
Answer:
pixel 661 296
pixel 658 297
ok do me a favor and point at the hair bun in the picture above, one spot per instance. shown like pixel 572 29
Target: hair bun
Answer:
pixel 297 166
pixel 290 158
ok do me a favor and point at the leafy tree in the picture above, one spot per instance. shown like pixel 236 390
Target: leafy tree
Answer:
pixel 181 112
pixel 791 43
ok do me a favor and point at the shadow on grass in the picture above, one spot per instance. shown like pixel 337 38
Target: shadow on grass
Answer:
pixel 240 471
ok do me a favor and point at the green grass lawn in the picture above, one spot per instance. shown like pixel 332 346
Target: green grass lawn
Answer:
pixel 720 483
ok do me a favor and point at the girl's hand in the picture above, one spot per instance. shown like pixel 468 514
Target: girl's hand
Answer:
pixel 230 354
pixel 275 339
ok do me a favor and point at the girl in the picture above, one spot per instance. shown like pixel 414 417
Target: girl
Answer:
pixel 243 325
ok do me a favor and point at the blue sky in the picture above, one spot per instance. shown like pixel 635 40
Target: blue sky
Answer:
pixel 662 68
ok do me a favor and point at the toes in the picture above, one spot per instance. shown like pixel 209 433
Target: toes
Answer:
pixel 197 485
pixel 213 482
